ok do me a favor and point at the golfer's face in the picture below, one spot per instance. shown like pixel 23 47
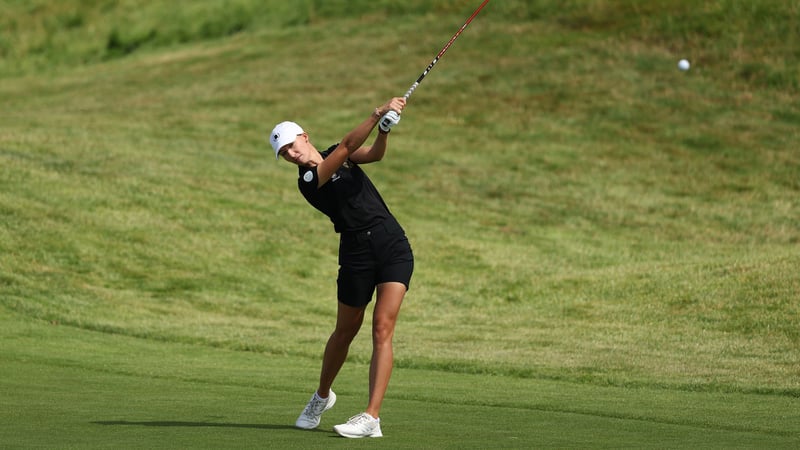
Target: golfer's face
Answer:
pixel 295 152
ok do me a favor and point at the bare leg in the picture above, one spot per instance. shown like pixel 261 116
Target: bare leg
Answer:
pixel 348 322
pixel 387 307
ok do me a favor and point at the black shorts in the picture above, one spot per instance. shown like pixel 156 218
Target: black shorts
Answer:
pixel 371 257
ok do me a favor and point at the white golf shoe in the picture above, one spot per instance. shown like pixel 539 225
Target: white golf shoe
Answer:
pixel 310 416
pixel 360 425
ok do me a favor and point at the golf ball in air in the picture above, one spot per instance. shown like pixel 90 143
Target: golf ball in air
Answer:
pixel 683 64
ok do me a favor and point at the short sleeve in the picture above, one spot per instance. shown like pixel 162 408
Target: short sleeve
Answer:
pixel 308 180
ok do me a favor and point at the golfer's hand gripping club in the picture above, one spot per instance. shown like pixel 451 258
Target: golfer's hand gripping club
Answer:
pixel 388 121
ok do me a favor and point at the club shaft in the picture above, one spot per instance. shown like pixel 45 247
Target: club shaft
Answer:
pixel 444 49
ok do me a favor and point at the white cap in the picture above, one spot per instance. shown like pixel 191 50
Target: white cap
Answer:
pixel 284 133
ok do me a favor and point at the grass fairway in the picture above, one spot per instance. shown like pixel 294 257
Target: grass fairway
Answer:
pixel 606 247
pixel 70 388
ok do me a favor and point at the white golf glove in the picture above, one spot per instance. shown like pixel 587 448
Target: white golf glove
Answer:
pixel 389 120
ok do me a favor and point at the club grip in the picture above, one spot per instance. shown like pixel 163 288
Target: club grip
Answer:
pixel 411 90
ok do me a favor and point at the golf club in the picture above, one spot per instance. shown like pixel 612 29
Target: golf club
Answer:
pixel 444 49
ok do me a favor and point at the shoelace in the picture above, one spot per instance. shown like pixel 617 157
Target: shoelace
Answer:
pixel 316 407
pixel 359 418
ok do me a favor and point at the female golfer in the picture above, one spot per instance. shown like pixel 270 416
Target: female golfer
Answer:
pixel 374 253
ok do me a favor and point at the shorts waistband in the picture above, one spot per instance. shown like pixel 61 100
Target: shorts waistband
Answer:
pixel 389 225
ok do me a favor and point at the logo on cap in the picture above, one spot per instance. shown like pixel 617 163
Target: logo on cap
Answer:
pixel 276 136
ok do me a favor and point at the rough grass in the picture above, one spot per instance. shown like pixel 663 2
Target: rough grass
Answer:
pixel 580 210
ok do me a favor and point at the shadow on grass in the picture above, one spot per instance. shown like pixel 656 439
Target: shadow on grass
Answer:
pixel 173 423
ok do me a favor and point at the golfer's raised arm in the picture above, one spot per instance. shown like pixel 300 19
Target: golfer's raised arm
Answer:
pixel 354 140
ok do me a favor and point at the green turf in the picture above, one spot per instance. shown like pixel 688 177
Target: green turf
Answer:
pixel 606 247
pixel 81 389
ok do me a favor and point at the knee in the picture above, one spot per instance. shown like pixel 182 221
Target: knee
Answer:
pixel 346 334
pixel 382 331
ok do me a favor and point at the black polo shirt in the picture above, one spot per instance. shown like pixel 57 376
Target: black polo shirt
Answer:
pixel 349 198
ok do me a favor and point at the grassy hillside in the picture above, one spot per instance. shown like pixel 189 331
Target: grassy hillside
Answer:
pixel 580 210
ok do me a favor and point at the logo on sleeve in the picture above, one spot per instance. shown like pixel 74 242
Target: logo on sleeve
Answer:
pixel 308 176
